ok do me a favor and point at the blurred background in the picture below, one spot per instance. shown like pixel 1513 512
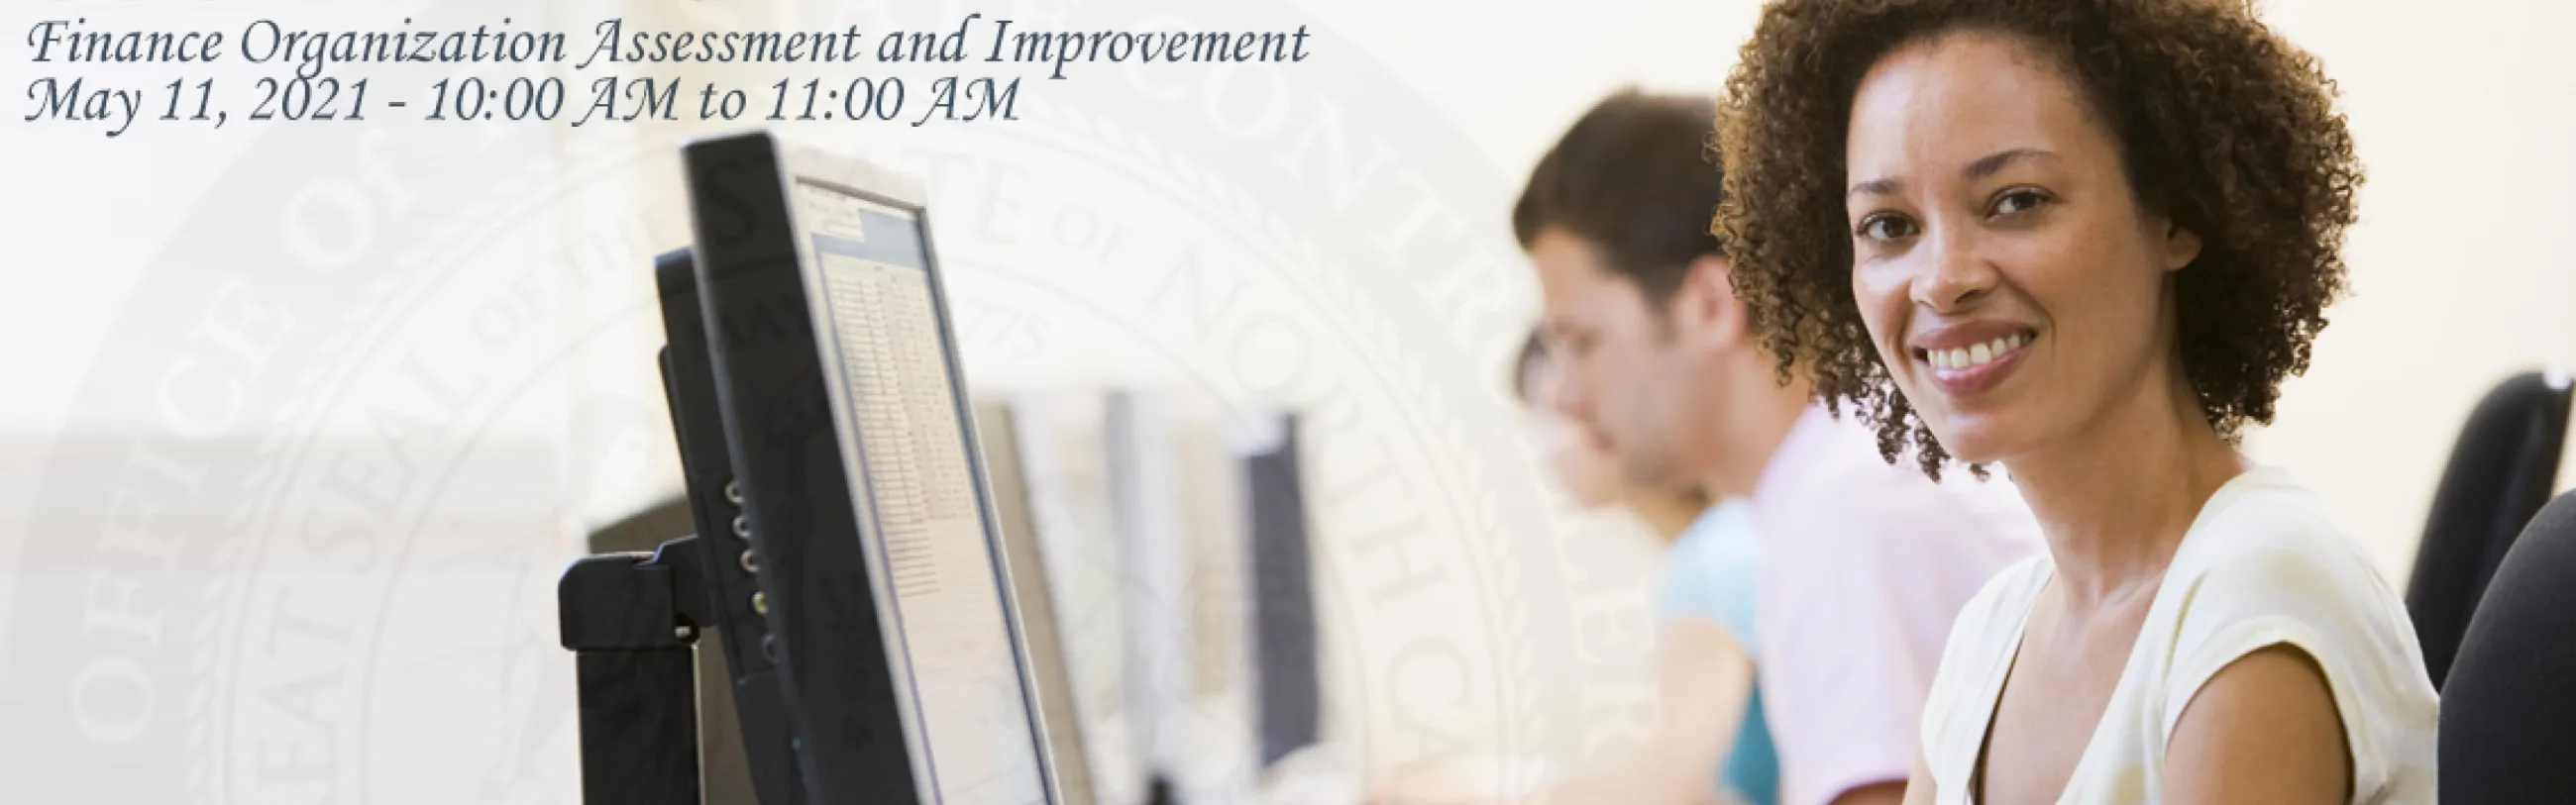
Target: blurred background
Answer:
pixel 299 422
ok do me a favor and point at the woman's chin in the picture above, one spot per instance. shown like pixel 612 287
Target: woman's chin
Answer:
pixel 1975 439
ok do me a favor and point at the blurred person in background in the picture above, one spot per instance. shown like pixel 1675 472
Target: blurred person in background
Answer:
pixel 2087 240
pixel 1862 565
pixel 1710 743
pixel 1583 467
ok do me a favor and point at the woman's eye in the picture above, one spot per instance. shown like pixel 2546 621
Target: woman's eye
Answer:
pixel 1885 227
pixel 2018 201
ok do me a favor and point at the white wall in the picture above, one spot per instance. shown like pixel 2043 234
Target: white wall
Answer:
pixel 2459 274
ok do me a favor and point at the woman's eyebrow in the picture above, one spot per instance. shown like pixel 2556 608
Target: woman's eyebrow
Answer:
pixel 1875 187
pixel 1987 165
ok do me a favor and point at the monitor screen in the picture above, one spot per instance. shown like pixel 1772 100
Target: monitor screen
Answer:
pixel 904 437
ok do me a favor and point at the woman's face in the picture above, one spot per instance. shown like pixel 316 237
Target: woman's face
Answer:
pixel 2014 286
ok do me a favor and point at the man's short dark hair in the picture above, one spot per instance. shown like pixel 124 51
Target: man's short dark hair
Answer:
pixel 1634 177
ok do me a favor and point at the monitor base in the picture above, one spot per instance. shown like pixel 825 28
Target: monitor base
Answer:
pixel 633 620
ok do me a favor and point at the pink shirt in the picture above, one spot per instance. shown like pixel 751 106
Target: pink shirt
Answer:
pixel 1865 565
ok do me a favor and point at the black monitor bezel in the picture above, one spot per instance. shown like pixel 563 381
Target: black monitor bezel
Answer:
pixel 820 561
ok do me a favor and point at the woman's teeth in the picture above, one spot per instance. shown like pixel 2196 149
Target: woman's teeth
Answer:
pixel 1978 355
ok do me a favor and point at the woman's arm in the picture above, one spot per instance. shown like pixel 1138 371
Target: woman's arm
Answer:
pixel 2264 729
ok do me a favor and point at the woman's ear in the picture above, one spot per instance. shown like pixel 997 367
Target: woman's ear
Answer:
pixel 2181 246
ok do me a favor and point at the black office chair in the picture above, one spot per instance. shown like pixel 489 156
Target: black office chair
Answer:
pixel 2501 471
pixel 2508 730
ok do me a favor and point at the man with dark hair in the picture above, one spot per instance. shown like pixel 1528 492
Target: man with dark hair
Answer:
pixel 1633 179
pixel 1833 573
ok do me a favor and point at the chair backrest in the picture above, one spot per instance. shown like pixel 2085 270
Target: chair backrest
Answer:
pixel 2508 729
pixel 2500 473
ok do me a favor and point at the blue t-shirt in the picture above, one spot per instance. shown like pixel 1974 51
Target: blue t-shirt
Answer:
pixel 1708 576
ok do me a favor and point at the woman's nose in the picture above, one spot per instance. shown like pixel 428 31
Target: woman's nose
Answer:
pixel 1956 275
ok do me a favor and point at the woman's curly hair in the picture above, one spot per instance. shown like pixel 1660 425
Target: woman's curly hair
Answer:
pixel 2223 128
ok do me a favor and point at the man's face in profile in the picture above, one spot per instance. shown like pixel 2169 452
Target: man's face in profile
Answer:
pixel 1621 373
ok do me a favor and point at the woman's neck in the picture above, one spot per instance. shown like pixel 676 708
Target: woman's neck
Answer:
pixel 2115 500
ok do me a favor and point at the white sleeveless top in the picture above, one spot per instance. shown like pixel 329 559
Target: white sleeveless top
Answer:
pixel 2260 566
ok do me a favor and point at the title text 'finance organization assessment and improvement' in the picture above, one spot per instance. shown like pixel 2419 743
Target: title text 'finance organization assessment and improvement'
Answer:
pixel 265 41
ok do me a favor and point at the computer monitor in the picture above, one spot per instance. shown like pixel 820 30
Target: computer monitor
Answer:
pixel 1146 504
pixel 905 673
pixel 755 762
pixel 1288 697
pixel 1217 590
pixel 1064 458
pixel 1007 468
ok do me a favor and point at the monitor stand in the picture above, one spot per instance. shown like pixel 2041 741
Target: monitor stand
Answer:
pixel 632 620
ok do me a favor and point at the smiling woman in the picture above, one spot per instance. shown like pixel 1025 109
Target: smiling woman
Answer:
pixel 2087 240
pixel 2236 141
